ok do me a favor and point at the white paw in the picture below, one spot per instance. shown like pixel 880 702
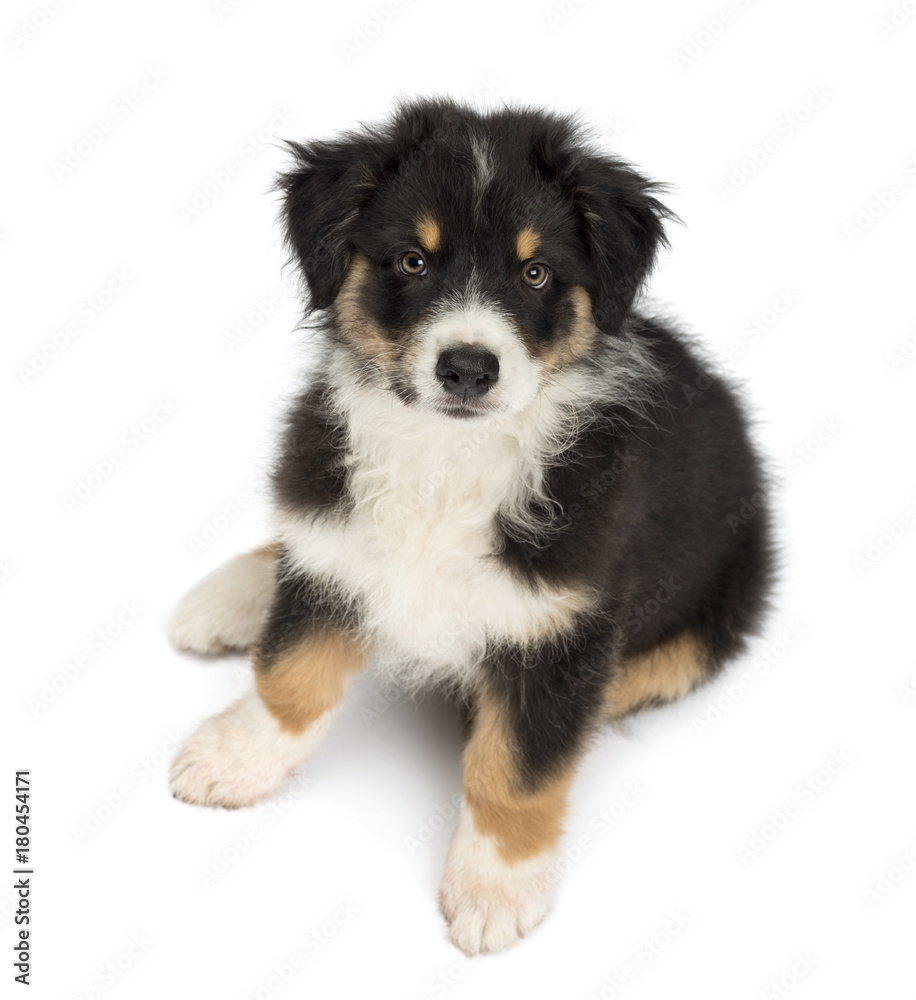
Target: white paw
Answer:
pixel 489 904
pixel 228 608
pixel 239 756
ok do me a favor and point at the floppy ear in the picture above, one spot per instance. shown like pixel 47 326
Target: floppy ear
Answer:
pixel 323 196
pixel 623 224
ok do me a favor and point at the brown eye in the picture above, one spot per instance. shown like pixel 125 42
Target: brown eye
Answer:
pixel 536 275
pixel 412 263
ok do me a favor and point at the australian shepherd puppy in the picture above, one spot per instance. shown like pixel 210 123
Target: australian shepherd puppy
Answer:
pixel 503 481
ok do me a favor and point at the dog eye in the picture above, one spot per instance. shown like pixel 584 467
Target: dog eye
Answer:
pixel 412 263
pixel 536 275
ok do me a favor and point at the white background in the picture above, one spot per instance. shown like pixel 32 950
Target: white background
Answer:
pixel 830 379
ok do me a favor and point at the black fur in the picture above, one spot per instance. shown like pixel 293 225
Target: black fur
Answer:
pixel 301 607
pixel 648 496
pixel 309 473
pixel 650 512
pixel 552 693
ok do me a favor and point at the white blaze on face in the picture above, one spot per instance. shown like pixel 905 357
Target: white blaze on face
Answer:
pixel 473 322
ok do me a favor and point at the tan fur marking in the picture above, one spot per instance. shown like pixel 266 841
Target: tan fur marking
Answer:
pixel 522 824
pixel 580 335
pixel 429 233
pixel 308 680
pixel 269 551
pixel 665 673
pixel 526 243
pixel 359 330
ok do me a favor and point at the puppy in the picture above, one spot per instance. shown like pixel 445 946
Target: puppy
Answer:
pixel 503 481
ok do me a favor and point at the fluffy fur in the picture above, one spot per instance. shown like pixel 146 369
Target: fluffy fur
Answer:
pixel 503 481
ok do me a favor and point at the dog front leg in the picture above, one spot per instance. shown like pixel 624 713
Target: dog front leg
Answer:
pixel 303 662
pixel 519 763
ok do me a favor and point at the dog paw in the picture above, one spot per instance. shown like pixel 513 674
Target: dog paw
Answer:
pixel 228 608
pixel 210 771
pixel 238 757
pixel 488 903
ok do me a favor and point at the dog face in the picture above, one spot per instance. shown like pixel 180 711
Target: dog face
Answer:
pixel 463 259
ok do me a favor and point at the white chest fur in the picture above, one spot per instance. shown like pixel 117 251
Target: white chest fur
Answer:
pixel 417 549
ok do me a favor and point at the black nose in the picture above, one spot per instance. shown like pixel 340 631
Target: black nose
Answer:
pixel 467 371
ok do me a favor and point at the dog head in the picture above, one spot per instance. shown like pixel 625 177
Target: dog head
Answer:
pixel 464 258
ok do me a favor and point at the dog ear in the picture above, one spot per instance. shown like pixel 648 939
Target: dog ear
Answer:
pixel 623 223
pixel 323 196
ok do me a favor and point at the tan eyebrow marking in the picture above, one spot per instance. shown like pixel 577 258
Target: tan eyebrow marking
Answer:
pixel 527 242
pixel 429 233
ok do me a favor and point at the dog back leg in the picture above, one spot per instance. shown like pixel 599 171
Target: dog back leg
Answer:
pixel 657 677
